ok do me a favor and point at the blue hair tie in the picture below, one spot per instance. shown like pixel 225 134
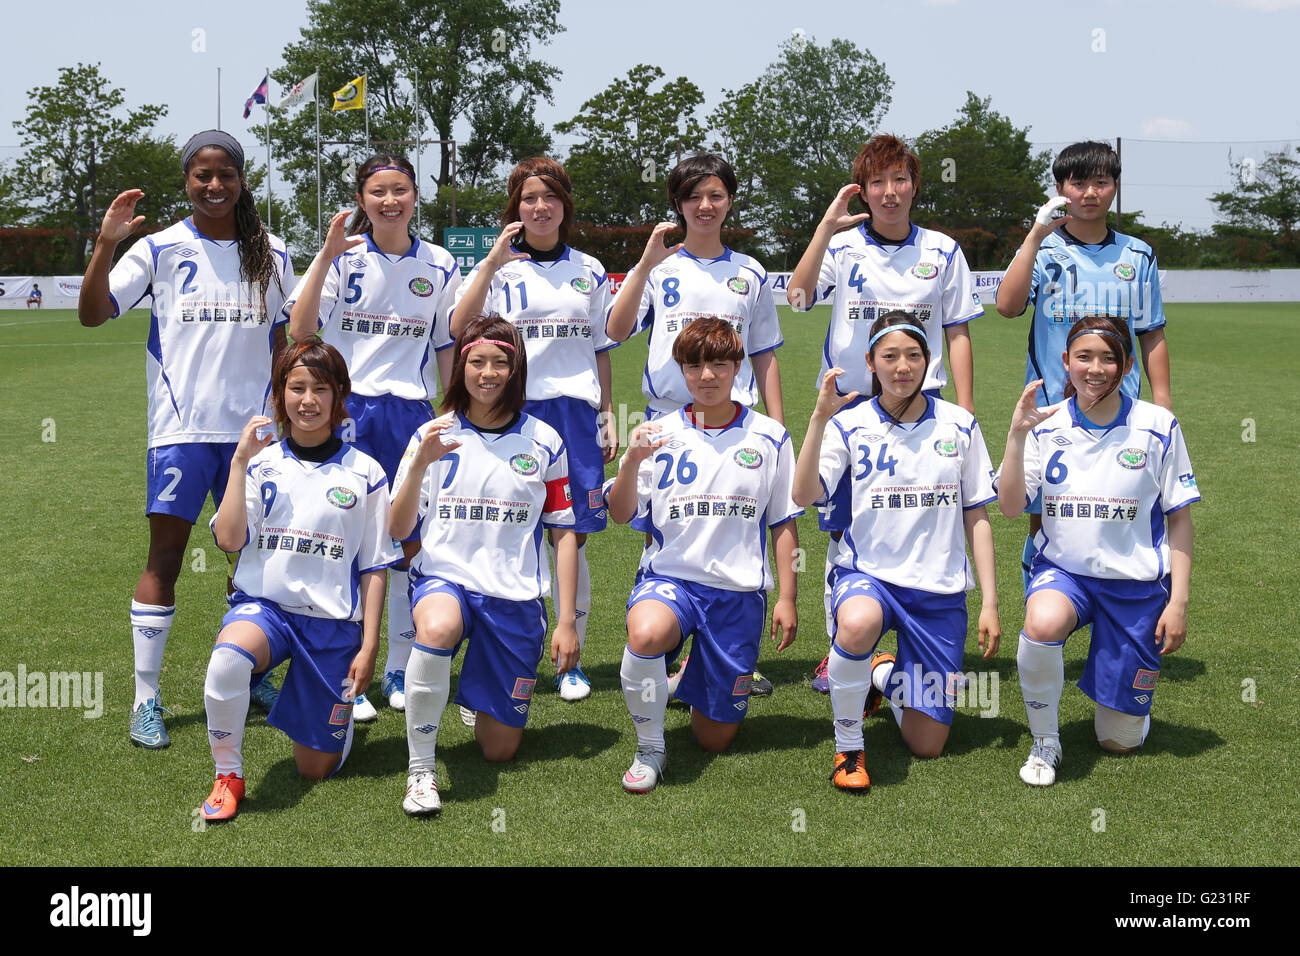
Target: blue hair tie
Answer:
pixel 896 328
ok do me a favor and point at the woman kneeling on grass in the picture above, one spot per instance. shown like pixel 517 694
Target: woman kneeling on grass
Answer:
pixel 920 477
pixel 1115 549
pixel 705 482
pixel 481 483
pixel 309 518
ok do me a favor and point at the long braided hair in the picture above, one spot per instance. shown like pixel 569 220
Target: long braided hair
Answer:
pixel 257 264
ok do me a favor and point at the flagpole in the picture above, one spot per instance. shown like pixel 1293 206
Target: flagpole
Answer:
pixel 419 129
pixel 268 148
pixel 316 98
pixel 365 107
pixel 218 97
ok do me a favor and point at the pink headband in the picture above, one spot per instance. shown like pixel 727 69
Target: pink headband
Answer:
pixel 404 172
pixel 469 345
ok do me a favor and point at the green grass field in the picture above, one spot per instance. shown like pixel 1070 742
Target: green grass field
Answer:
pixel 1215 784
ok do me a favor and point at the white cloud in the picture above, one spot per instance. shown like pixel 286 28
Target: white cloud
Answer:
pixel 1163 127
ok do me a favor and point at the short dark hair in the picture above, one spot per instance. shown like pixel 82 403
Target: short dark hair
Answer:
pixel 360 221
pixel 549 172
pixel 688 174
pixel 326 366
pixel 1085 160
pixel 881 154
pixel 493 327
pixel 708 340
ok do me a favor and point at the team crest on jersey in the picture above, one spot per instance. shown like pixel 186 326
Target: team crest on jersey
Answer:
pixel 748 458
pixel 743 683
pixel 1145 680
pixel 421 286
pixel 582 285
pixel 341 714
pixel 340 497
pixel 945 448
pixel 1125 271
pixel 1188 480
pixel 524 464
pixel 924 270
pixel 1132 458
pixel 738 285
pixel 523 688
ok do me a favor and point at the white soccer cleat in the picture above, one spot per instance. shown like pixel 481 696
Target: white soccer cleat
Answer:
pixel 1040 769
pixel 394 686
pixel 573 684
pixel 646 771
pixel 422 798
pixel 363 711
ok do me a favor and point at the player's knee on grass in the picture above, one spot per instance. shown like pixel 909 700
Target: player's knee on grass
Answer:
pixel 499 742
pixel 924 735
pixel 1049 617
pixel 712 735
pixel 314 764
pixel 1118 733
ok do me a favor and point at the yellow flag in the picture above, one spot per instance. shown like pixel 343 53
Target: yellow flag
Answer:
pixel 352 96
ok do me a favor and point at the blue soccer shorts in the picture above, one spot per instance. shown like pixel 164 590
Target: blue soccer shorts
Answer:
pixel 179 478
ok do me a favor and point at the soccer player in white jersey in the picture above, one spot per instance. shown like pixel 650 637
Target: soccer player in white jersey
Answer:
pixel 308 516
pixel 705 482
pixel 876 262
pixel 216 282
pixel 1075 266
pixel 672 286
pixel 1115 549
pixel 383 297
pixel 482 482
pixel 557 297
pixel 920 478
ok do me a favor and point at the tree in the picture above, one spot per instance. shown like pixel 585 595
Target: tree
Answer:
pixel 473 60
pixel 980 181
pixel 792 135
pixel 631 138
pixel 1262 210
pixel 71 133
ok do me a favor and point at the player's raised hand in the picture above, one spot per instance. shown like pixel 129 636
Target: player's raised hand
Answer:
pixel 1171 629
pixel 337 241
pixel 643 441
pixel 837 213
pixel 257 434
pixel 120 219
pixel 433 446
pixel 655 250
pixel 1027 414
pixel 502 252
pixel 829 401
pixel 785 623
pixel 1046 221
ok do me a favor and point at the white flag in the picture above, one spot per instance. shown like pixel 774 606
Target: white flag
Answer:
pixel 302 91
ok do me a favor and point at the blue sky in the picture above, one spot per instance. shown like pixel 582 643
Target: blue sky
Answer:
pixel 1213 75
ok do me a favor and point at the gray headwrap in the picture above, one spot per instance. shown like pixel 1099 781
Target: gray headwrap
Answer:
pixel 212 137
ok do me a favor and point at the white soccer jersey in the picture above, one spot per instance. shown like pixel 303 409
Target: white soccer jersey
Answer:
pixel 559 308
pixel 911 483
pixel 313 530
pixel 926 274
pixel 708 496
pixel 208 358
pixel 683 288
pixel 387 315
pixel 1106 492
pixel 483 507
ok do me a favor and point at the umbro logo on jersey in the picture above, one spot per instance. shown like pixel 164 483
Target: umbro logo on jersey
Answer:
pixel 522 708
pixel 741 704
pixel 188 253
pixel 1142 698
pixel 508 276
pixel 1060 257
pixel 356 263
pixel 1061 440
pixel 220 734
pixel 339 734
pixel 427 728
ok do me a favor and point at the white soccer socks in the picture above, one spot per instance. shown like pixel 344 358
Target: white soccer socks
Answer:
pixel 226 695
pixel 1042 677
pixel 645 689
pixel 150 625
pixel 401 629
pixel 428 685
pixel 850 679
